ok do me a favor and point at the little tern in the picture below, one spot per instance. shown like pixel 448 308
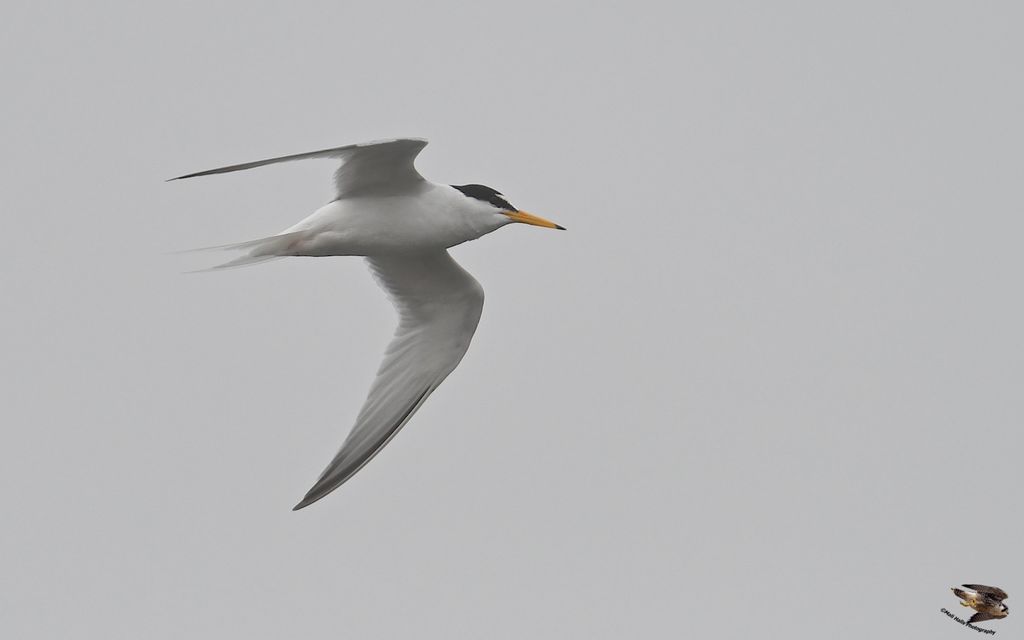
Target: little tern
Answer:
pixel 385 211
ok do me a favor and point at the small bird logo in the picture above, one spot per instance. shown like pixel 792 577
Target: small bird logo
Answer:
pixel 987 601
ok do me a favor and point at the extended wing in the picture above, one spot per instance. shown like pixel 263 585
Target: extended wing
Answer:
pixel 981 617
pixel 439 306
pixel 995 592
pixel 385 166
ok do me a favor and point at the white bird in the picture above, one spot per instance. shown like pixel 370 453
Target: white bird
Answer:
pixel 403 224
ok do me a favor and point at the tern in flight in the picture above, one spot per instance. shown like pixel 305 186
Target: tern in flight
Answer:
pixel 403 225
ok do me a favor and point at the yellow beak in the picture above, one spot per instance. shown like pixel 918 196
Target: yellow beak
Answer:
pixel 529 218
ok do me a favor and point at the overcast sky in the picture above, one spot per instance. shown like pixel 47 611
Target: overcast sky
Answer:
pixel 767 385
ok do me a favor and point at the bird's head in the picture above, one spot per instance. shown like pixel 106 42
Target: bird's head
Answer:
pixel 488 201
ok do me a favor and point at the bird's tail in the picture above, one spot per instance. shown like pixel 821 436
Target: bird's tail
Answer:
pixel 959 593
pixel 256 251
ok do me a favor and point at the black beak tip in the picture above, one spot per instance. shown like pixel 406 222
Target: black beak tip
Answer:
pixel 560 227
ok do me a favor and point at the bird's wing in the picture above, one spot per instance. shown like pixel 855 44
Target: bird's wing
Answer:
pixel 385 166
pixel 992 591
pixel 981 617
pixel 439 306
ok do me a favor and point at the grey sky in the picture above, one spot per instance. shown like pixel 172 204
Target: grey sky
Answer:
pixel 774 365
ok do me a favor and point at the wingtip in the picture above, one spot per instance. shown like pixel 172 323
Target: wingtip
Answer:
pixel 306 501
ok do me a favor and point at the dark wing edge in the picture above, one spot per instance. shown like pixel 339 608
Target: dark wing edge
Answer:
pixel 995 592
pixel 335 152
pixel 340 469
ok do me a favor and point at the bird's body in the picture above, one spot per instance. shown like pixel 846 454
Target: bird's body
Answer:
pixel 987 601
pixel 428 217
pixel 403 225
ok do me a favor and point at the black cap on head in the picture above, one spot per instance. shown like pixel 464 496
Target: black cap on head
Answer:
pixel 487 194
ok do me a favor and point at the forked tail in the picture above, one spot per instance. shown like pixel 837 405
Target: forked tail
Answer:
pixel 257 251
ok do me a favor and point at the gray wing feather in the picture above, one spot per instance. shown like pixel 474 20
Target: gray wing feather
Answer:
pixel 369 167
pixel 439 306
